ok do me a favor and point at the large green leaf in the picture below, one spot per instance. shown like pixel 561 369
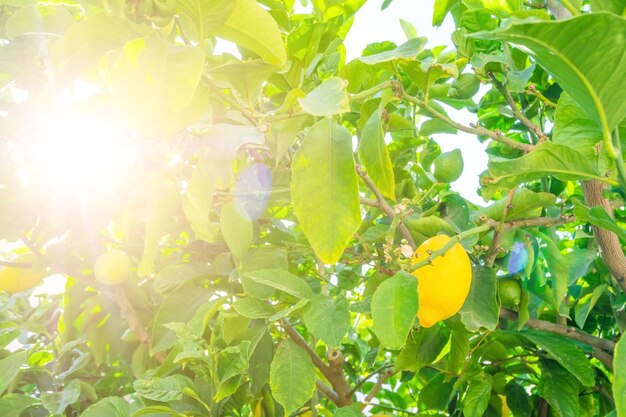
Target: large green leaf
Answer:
pixel 559 388
pixel 231 364
pixel 152 80
pixel 292 376
pixel 86 42
pixel 207 16
pixel 548 158
pixel 108 407
pixel 566 352
pixel 586 303
pixel 619 384
pixel 589 69
pixel 614 6
pixel 252 27
pixel 518 400
pixel 236 228
pixel 9 368
pixel 375 156
pixel 325 189
pixel 328 319
pixel 573 127
pixel 477 397
pixel 407 50
pixel 169 388
pixel 57 402
pixel 12 405
pixel 327 99
pixel 394 307
pixel 282 280
pixel 525 203
pixel 598 217
pixel 481 309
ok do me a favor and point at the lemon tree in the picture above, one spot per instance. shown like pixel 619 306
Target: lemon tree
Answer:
pixel 238 216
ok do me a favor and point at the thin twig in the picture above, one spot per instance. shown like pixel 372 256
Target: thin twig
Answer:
pixel 517 112
pixel 377 387
pixel 532 90
pixel 133 322
pixel 385 207
pixel 569 331
pixel 473 129
pixel 327 391
pixel 497 236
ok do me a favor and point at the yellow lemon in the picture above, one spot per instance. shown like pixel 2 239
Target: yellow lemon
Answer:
pixel 20 279
pixel 443 285
pixel 506 412
pixel 112 267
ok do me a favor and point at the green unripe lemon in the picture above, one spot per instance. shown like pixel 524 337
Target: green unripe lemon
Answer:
pixel 112 267
pixel 510 292
pixel 448 166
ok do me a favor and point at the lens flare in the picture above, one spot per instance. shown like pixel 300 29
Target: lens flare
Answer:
pixel 518 258
pixel 252 190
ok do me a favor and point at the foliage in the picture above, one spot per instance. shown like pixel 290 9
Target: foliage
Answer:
pixel 272 200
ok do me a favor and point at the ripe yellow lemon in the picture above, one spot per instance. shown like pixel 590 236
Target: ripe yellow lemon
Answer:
pixel 506 412
pixel 112 267
pixel 443 285
pixel 20 279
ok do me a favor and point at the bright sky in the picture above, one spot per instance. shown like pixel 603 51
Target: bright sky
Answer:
pixel 372 25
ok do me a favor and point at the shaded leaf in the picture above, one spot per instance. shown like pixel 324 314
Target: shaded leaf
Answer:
pixel 374 155
pixel 292 376
pixel 481 309
pixel 328 319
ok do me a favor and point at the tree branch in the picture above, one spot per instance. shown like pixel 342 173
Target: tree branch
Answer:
pixel 333 373
pixel 610 247
pixel 568 331
pixel 121 298
pixel 473 129
pixel 497 236
pixel 328 392
pixel 517 112
pixel 385 207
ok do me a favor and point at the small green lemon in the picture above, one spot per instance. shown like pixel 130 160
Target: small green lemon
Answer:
pixel 510 292
pixel 112 267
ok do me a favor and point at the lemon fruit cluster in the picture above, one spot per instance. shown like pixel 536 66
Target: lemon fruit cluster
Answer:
pixel 14 279
pixel 443 285
pixel 113 267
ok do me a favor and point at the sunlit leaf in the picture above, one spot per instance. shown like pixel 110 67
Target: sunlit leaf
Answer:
pixel 292 376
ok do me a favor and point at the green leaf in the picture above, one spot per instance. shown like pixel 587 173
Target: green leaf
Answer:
pixel 375 156
pixel 459 350
pixel 394 308
pixel 435 395
pixel 328 319
pixel 252 27
pixel 545 159
pixel 57 402
pixel 481 309
pixel 327 99
pixel 573 127
pixel 207 16
pixel 157 409
pixel 559 388
pixel 236 228
pixel 231 363
pixel 525 203
pixel 598 217
pixel 422 348
pixel 292 376
pixel 253 308
pixel 169 388
pixel 246 77
pixel 108 407
pixel 518 400
pixel 566 352
pixel 38 20
pixel 86 42
pixel 477 396
pixel 619 383
pixel 441 9
pixel 407 50
pixel 282 280
pixel 12 405
pixel 589 70
pixel 435 126
pixel 179 306
pixel 10 367
pixel 325 189
pixel 151 80
pixel 614 6
pixel 260 361
pixel 586 303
